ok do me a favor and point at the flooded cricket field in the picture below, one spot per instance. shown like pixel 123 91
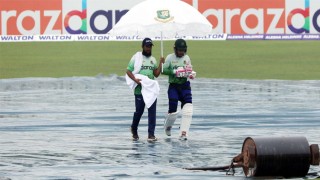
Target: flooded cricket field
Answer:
pixel 78 127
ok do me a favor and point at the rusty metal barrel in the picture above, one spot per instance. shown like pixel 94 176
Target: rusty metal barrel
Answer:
pixel 278 156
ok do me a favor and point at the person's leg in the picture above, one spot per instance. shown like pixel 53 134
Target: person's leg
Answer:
pixel 152 110
pixel 172 113
pixel 187 110
pixel 186 94
pixel 140 105
pixel 173 97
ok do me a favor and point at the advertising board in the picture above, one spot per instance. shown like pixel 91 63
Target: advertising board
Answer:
pixel 236 18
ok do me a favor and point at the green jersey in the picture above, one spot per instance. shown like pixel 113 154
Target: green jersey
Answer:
pixel 148 65
pixel 172 62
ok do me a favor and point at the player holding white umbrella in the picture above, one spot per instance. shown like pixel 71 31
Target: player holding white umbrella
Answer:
pixel 165 19
pixel 140 74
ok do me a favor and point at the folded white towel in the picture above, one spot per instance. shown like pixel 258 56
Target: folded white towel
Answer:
pixel 150 88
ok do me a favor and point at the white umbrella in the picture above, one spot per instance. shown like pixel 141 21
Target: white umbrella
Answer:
pixel 164 18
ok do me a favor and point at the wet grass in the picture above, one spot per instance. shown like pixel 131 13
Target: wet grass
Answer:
pixel 288 60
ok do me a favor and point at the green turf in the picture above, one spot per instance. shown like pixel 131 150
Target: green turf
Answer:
pixel 292 60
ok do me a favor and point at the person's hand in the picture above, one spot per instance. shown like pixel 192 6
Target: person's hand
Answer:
pixel 161 60
pixel 180 72
pixel 188 69
pixel 137 81
pixel 192 75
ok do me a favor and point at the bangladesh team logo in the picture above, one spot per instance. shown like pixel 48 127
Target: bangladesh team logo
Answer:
pixel 164 16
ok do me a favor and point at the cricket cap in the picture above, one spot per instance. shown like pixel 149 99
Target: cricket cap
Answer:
pixel 146 42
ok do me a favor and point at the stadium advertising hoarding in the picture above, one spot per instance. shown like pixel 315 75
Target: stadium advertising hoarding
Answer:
pixel 48 20
pixel 30 17
pixel 261 17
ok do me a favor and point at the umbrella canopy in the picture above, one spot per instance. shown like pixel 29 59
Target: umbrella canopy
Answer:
pixel 162 18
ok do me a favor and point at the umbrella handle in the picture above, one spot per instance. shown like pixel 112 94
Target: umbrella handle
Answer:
pixel 161 55
pixel 162 68
pixel 161 52
pixel 161 45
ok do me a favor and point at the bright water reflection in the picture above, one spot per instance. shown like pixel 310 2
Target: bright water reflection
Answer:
pixel 78 128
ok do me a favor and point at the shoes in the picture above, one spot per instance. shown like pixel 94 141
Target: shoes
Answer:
pixel 151 138
pixel 168 131
pixel 135 136
pixel 183 136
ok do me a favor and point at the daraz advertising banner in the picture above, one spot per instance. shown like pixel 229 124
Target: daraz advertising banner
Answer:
pixel 65 20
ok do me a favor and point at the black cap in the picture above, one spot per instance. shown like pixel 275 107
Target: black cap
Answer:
pixel 180 44
pixel 146 42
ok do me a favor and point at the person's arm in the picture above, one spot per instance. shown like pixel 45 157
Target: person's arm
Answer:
pixel 167 70
pixel 130 74
pixel 188 67
pixel 189 70
pixel 157 71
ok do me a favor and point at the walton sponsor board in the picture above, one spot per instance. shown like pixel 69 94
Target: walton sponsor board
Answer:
pixel 30 17
pixel 96 37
